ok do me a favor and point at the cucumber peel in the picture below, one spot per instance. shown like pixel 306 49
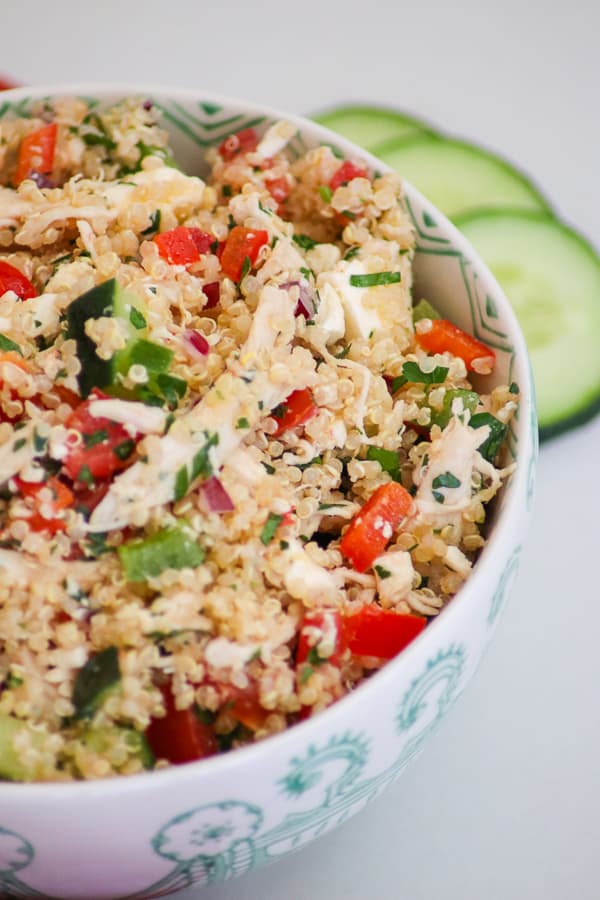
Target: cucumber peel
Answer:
pixel 551 275
pixel 368 126
pixel 458 176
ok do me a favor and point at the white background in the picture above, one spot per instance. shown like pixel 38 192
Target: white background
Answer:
pixel 504 801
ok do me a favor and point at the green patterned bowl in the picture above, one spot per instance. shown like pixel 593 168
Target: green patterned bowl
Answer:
pixel 150 835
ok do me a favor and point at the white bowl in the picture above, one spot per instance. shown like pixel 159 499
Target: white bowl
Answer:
pixel 149 835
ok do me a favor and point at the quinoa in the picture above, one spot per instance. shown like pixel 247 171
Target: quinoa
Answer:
pixel 276 463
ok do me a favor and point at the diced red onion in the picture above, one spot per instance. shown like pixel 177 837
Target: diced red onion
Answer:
pixel 306 301
pixel 217 498
pixel 212 292
pixel 42 181
pixel 197 342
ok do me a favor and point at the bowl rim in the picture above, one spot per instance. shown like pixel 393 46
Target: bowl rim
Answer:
pixel 308 730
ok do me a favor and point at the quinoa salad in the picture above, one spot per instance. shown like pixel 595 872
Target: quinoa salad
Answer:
pixel 241 466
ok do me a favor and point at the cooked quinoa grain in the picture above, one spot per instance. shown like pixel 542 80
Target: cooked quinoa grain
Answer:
pixel 234 480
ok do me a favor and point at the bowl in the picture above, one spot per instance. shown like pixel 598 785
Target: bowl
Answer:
pixel 152 834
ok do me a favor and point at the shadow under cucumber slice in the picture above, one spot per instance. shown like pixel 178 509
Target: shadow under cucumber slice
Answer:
pixel 551 275
pixel 457 176
pixel 368 126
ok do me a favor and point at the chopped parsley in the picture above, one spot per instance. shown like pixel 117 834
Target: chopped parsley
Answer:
pixel 7 345
pixel 226 190
pixel 387 459
pixel 314 659
pixel 201 465
pixel 374 278
pixel 39 442
pixel 446 480
pixel 124 450
pixel 18 445
pixel 270 527
pixel 96 437
pixel 326 193
pixel 351 253
pixel 490 447
pixel 344 352
pixel 414 373
pixel 513 387
pixel 96 544
pixel 246 266
pixel 137 319
pixel 269 468
pixel 305 674
pixel 154 225
pixel 382 571
pixel 85 475
pixel 242 422
pixel 304 241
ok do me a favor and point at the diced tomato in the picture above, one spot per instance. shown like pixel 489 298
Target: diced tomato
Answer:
pixel 316 626
pixel 279 188
pixel 373 526
pixel 244 705
pixel 62 498
pixel 242 243
pixel 244 141
pixel 295 410
pixel 86 499
pixel 212 292
pixel 36 153
pixel 346 172
pixel 180 736
pixel 383 633
pixel 104 445
pixel 445 337
pixel 183 246
pixel 12 279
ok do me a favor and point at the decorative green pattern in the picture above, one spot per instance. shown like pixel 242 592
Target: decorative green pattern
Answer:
pixel 16 853
pixel 501 591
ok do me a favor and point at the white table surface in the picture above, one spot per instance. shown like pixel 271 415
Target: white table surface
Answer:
pixel 503 803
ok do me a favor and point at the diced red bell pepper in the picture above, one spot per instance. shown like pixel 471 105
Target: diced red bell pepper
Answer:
pixel 445 337
pixel 62 498
pixel 12 279
pixel 326 623
pixel 295 410
pixel 279 188
pixel 180 736
pixel 212 292
pixel 241 243
pixel 244 141
pixel 36 153
pixel 383 633
pixel 373 526
pixel 183 246
pixel 346 172
pixel 6 84
pixel 104 445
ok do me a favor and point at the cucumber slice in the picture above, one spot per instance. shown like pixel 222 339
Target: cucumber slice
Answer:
pixel 551 275
pixel 368 126
pixel 457 176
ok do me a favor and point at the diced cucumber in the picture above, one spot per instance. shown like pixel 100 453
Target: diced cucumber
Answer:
pixel 100 741
pixel 457 401
pixel 424 310
pixel 109 299
pixel 457 176
pixel 11 766
pixel 171 548
pixel 368 126
pixel 100 674
pixel 551 275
